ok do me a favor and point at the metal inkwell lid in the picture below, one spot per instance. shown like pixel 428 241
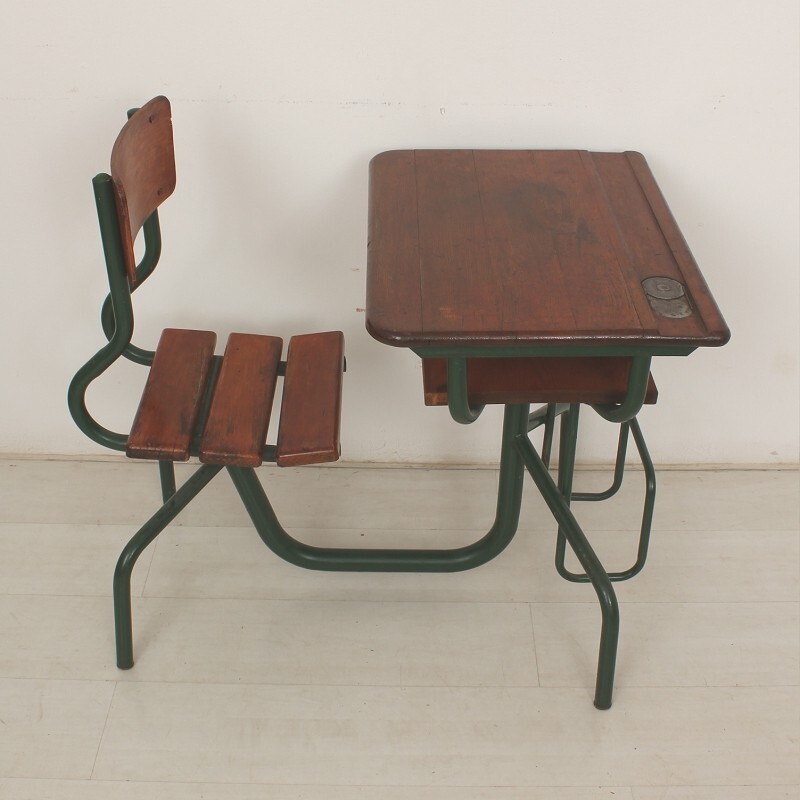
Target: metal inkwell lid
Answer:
pixel 667 297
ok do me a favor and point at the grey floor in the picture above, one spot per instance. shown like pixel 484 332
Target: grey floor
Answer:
pixel 258 680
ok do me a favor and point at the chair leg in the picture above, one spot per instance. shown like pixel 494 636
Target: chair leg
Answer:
pixel 166 470
pixel 136 546
pixel 571 531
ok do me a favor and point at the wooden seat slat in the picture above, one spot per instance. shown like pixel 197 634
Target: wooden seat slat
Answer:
pixel 236 429
pixel 168 411
pixel 312 400
pixel 536 380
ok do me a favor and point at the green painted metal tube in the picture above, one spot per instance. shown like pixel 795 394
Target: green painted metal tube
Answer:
pixel 509 500
pixel 136 546
pixel 649 502
pixel 543 415
pixel 566 472
pixel 123 321
pixel 619 470
pixel 166 471
pixel 647 517
pixel 152 253
pixel 634 399
pixel 549 428
pixel 609 632
pixel 457 392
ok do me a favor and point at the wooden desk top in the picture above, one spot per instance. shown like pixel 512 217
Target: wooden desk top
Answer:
pixel 529 248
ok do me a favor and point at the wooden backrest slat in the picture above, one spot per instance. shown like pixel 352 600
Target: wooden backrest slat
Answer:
pixel 236 429
pixel 143 171
pixel 535 380
pixel 312 400
pixel 167 416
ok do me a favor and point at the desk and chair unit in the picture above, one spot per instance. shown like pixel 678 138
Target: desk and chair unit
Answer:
pixel 518 277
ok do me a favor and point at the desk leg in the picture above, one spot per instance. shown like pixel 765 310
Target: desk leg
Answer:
pixel 566 472
pixel 509 500
pixel 571 530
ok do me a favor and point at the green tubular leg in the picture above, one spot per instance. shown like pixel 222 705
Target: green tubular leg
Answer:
pixel 566 471
pixel 136 546
pixel 568 525
pixel 166 470
pixel 546 415
pixel 509 499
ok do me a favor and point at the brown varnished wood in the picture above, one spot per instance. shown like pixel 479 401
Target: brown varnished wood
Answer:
pixel 688 271
pixel 535 380
pixel 392 229
pixel 236 428
pixel 312 400
pixel 536 247
pixel 167 416
pixel 143 171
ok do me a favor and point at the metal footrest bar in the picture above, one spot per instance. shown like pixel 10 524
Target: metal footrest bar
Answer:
pixel 136 546
pixel 619 470
pixel 501 533
pixel 609 632
pixel 647 511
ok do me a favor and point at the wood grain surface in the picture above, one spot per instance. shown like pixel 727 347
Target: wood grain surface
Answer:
pixel 526 247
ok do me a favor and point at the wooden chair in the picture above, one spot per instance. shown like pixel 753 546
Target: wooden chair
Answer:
pixel 195 403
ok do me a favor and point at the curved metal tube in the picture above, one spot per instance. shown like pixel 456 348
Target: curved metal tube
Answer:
pixel 619 469
pixel 647 514
pixel 123 321
pixel 152 253
pixel 457 392
pixel 609 632
pixel 509 499
pixel 136 546
pixel 634 399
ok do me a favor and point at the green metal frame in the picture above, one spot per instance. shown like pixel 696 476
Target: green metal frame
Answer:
pixel 457 402
pixel 569 527
pixel 619 470
pixel 117 313
pixel 517 455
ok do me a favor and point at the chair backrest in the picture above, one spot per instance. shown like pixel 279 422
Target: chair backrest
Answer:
pixel 143 171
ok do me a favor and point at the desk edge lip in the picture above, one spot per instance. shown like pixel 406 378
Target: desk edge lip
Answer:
pixel 500 340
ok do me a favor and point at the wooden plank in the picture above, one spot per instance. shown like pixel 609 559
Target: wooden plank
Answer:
pixel 535 380
pixel 312 400
pixel 143 171
pixel 704 305
pixel 459 280
pixel 559 220
pixel 393 276
pixel 528 276
pixel 527 248
pixel 167 415
pixel 236 429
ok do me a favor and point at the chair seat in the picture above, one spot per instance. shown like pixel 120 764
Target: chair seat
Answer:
pixel 219 408
pixel 535 380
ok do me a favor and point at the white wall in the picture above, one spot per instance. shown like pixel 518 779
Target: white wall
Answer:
pixel 278 107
